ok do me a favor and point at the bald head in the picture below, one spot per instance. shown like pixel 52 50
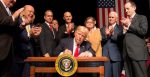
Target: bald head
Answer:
pixel 67 13
pixel 68 17
pixel 27 7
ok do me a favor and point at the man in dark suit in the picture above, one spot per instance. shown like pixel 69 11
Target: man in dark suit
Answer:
pixel 23 40
pixel 48 35
pixel 111 36
pixel 69 45
pixel 66 30
pixel 7 27
pixel 134 46
pixel 25 36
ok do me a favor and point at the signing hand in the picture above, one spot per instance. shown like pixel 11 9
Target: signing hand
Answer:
pixel 67 51
pixel 85 54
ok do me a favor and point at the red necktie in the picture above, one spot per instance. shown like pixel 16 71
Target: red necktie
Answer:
pixel 50 26
pixel 76 51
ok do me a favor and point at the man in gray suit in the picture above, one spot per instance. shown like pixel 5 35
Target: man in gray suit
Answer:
pixel 111 40
pixel 134 47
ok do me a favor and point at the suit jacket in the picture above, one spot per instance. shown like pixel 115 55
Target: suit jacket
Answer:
pixel 111 43
pixel 47 40
pixel 24 44
pixel 134 40
pixel 61 33
pixel 67 43
pixel 6 32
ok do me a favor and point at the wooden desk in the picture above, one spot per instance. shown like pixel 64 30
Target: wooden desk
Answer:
pixel 34 69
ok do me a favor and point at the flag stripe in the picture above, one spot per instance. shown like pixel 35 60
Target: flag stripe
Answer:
pixel 98 18
pixel 119 10
pixel 106 16
pixel 122 8
pixel 103 16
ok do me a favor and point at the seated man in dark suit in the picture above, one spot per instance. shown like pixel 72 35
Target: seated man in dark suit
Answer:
pixel 76 46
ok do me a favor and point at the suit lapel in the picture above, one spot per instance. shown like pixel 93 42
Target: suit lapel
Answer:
pixel 47 28
pixel 71 44
pixel 64 28
pixel 134 18
pixel 82 47
pixel 3 9
pixel 115 29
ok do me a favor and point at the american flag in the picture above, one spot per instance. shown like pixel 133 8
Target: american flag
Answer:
pixel 105 6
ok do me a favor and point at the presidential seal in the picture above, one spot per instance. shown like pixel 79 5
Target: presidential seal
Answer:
pixel 66 65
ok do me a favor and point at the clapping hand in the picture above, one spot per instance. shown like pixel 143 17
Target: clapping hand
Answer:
pixel 35 31
pixel 70 27
pixel 125 22
pixel 109 31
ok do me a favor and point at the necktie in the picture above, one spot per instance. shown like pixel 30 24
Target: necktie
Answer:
pixel 51 28
pixel 76 51
pixel 28 30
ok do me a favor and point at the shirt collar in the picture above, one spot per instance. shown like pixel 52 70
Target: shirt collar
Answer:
pixel 74 42
pixel 66 25
pixel 113 25
pixel 133 15
pixel 47 23
pixel 23 19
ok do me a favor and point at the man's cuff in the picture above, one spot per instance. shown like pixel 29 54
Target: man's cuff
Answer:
pixel 13 18
pixel 61 53
pixel 128 26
